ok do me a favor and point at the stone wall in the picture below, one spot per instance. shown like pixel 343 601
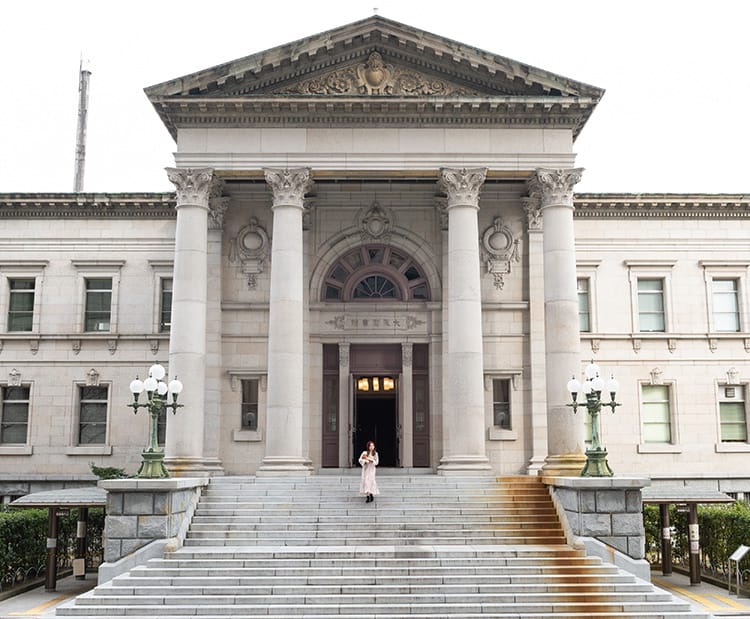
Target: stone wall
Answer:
pixel 608 509
pixel 140 511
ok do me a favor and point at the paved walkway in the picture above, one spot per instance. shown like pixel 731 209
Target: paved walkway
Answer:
pixel 704 597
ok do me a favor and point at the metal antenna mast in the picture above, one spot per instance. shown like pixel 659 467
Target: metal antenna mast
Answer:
pixel 83 108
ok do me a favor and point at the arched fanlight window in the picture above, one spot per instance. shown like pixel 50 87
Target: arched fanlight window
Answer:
pixel 375 272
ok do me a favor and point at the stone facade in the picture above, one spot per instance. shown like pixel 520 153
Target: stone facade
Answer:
pixel 393 258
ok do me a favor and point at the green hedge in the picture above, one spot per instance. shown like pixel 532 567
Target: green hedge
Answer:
pixel 23 542
pixel 722 529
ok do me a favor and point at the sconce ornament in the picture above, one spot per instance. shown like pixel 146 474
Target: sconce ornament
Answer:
pixel 499 250
pixel 250 248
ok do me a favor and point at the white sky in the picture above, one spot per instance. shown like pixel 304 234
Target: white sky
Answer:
pixel 675 116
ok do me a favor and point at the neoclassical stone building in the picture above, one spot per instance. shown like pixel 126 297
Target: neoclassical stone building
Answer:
pixel 374 235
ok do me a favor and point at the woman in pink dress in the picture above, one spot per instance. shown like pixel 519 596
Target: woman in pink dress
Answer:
pixel 369 460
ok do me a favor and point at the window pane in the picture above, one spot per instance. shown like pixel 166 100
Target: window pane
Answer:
pixel 165 318
pixel 649 302
pixel 419 292
pixel 92 434
pixel 98 304
pixel 21 305
pixel 375 287
pixel 333 292
pixel 645 285
pixel 14 415
pixel 501 403
pixel 13 433
pixel 584 319
pixel 651 322
pixel 92 415
pixel 733 422
pixel 656 416
pixel 249 407
pixel 726 305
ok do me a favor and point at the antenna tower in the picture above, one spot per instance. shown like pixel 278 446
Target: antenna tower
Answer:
pixel 83 108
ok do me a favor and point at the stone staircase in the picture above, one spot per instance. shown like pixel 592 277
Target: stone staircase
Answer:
pixel 427 547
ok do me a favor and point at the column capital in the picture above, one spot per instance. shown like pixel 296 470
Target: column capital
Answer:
pixel 555 185
pixel 193 185
pixel 462 185
pixel 288 186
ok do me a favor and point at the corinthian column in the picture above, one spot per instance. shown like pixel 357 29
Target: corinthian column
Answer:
pixel 284 418
pixel 187 338
pixel 565 440
pixel 463 385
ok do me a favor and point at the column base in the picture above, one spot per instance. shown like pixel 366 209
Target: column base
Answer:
pixel 464 465
pixel 194 467
pixel 535 466
pixel 563 465
pixel 280 466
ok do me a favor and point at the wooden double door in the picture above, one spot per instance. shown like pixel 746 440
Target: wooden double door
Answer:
pixel 372 399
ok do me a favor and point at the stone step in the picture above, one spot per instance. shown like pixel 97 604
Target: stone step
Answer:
pixel 434 609
pixel 429 547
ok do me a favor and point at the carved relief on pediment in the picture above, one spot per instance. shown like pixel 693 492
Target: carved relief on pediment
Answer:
pixel 375 77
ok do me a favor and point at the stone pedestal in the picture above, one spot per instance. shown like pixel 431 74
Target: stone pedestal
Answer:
pixel 284 415
pixel 608 509
pixel 140 511
pixel 565 438
pixel 463 384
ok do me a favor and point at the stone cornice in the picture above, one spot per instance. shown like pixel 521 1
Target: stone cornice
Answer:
pixel 87 205
pixel 644 206
pixel 291 110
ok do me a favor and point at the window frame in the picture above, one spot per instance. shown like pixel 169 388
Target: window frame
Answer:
pixel 31 269
pixel 673 446
pixel 652 269
pixel 160 270
pixel 723 270
pixel 89 314
pixel 19 449
pixel 497 433
pixel 732 446
pixel 76 448
pixel 588 269
pixel 98 269
pixel 236 376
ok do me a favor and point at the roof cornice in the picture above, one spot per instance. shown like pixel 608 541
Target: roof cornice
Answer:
pixel 323 111
pixel 661 205
pixel 86 205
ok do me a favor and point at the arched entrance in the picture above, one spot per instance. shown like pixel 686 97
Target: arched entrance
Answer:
pixel 377 387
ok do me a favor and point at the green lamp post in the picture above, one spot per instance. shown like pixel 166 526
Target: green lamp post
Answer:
pixel 161 396
pixel 592 387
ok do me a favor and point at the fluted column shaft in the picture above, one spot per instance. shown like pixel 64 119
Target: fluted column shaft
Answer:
pixel 187 338
pixel 463 385
pixel 565 438
pixel 284 414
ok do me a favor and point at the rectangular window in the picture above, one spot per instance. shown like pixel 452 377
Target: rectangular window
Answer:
pixel 501 403
pixel 98 304
pixel 726 305
pixel 21 305
pixel 14 416
pixel 584 311
pixel 656 414
pixel 732 414
pixel 651 305
pixel 92 415
pixel 165 310
pixel 250 404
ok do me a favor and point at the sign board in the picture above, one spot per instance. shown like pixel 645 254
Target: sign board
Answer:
pixel 738 554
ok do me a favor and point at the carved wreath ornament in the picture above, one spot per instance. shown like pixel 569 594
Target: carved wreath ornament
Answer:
pixel 375 77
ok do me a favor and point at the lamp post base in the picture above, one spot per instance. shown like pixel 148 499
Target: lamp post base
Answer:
pixel 596 464
pixel 152 466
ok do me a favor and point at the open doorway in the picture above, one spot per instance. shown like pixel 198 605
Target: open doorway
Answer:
pixel 376 419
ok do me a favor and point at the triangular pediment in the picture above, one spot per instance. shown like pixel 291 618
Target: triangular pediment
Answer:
pixel 372 58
